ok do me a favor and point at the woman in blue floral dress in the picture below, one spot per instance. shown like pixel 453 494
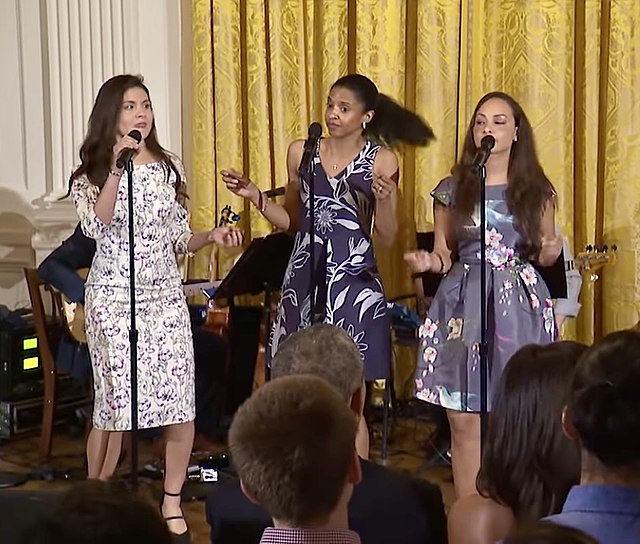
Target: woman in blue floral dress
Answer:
pixel 519 230
pixel 355 191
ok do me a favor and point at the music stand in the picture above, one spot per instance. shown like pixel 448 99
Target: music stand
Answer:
pixel 261 268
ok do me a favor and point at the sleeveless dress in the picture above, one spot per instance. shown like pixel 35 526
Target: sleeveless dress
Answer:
pixel 166 372
pixel 519 308
pixel 349 282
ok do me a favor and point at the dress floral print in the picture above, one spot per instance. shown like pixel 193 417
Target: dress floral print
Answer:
pixel 520 310
pixel 345 261
pixel 166 387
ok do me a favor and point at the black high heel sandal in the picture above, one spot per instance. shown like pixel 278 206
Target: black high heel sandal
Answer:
pixel 182 538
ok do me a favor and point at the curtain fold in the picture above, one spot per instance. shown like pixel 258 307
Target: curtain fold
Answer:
pixel 262 70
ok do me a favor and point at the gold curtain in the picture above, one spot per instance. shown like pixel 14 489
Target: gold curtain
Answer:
pixel 262 69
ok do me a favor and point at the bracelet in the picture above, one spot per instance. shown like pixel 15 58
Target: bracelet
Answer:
pixel 114 173
pixel 441 263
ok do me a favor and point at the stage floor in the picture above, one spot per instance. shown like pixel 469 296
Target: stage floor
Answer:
pixel 406 453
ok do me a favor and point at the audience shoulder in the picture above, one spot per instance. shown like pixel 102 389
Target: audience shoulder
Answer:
pixel 475 519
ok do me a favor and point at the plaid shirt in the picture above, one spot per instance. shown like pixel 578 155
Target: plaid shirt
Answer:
pixel 272 535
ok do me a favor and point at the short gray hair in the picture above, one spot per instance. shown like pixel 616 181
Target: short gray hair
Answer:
pixel 325 351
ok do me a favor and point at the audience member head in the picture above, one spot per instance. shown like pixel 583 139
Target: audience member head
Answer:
pixel 328 352
pixel 545 532
pixel 604 403
pixel 293 445
pixel 100 513
pixel 528 463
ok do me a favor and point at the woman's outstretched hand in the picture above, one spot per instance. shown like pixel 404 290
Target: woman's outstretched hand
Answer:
pixel 226 236
pixel 240 185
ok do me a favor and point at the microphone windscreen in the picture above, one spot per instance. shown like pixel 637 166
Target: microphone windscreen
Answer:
pixel 136 135
pixel 315 130
pixel 488 142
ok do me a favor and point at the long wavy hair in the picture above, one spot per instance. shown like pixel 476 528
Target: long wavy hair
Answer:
pixel 96 152
pixel 528 188
pixel 391 123
pixel 528 464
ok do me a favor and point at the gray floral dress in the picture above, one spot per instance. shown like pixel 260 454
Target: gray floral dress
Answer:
pixel 166 379
pixel 349 283
pixel 520 310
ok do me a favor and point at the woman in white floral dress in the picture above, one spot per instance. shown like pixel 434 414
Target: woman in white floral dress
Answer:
pixel 520 229
pixel 165 362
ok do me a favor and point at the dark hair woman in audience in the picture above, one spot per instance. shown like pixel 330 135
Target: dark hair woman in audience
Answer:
pixel 528 464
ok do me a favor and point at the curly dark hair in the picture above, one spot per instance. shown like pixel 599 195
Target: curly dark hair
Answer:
pixel 528 188
pixel 96 150
pixel 528 464
pixel 604 401
pixel 391 123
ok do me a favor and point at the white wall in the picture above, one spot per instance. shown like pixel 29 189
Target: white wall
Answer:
pixel 54 55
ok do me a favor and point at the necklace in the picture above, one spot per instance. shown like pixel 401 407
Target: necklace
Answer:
pixel 335 166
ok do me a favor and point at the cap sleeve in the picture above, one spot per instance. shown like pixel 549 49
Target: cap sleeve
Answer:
pixel 443 192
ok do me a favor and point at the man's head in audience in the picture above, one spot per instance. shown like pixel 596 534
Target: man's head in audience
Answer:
pixel 100 513
pixel 293 445
pixel 328 352
pixel 603 410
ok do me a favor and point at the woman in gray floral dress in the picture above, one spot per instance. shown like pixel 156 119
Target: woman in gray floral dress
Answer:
pixel 166 388
pixel 520 229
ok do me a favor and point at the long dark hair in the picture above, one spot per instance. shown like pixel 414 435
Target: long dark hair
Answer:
pixel 529 464
pixel 96 152
pixel 528 188
pixel 391 123
pixel 604 401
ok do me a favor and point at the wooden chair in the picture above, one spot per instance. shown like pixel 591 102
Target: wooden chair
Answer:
pixel 45 336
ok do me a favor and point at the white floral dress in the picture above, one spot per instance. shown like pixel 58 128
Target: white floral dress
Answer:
pixel 166 383
pixel 520 310
pixel 349 287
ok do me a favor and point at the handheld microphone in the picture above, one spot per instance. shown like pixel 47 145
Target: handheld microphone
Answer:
pixel 310 146
pixel 126 154
pixel 483 152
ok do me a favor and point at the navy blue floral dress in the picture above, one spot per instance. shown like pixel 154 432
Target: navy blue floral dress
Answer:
pixel 520 310
pixel 349 281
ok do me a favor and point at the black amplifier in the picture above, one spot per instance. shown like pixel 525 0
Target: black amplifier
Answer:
pixel 23 416
pixel 20 362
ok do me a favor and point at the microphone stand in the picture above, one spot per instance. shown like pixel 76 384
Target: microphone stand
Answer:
pixel 484 356
pixel 310 170
pixel 133 333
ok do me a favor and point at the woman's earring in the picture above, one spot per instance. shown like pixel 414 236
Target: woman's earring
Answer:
pixel 364 125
